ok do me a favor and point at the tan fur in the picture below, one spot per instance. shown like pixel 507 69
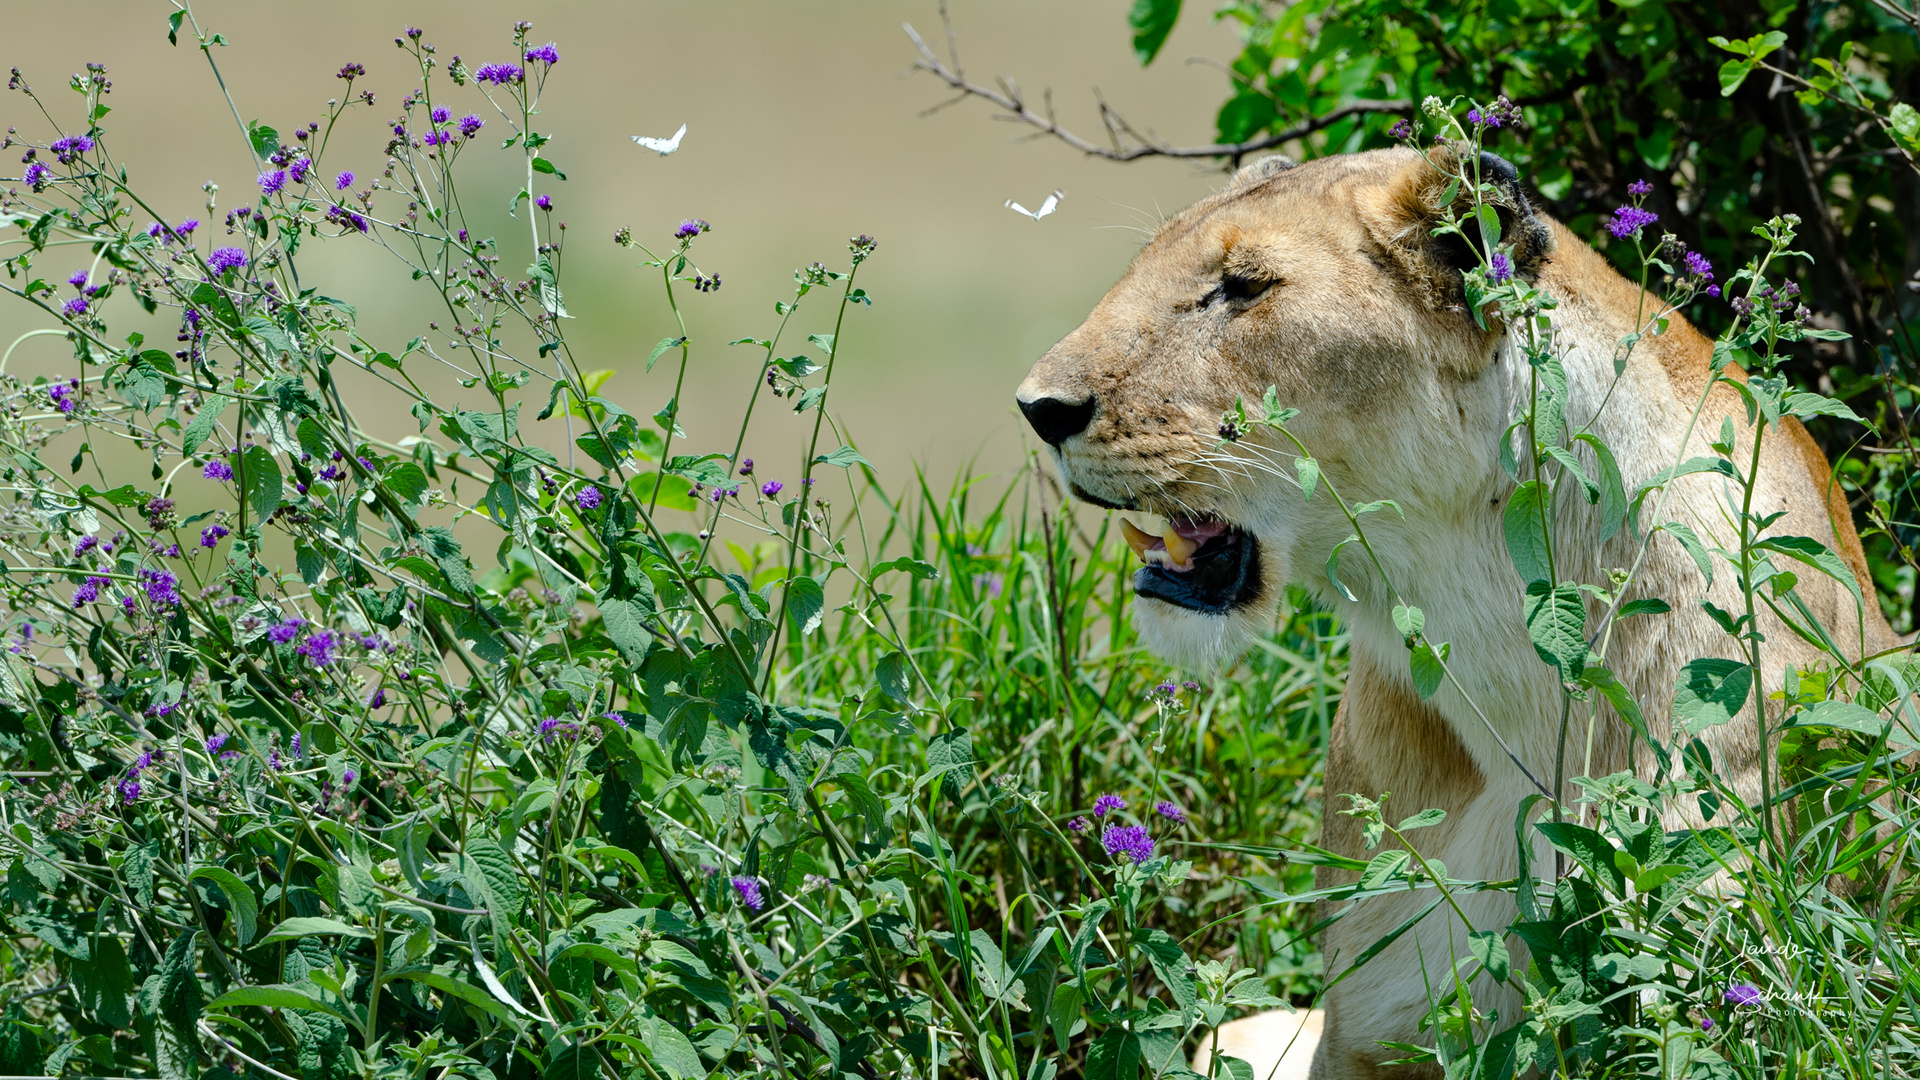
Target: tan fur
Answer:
pixel 1402 397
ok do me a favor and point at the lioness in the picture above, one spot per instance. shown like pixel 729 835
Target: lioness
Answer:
pixel 1325 281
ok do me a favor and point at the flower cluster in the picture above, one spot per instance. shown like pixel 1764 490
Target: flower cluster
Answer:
pixel 499 74
pixel 1502 113
pixel 65 395
pixel 226 259
pixel 691 228
pixel 1127 843
pixel 749 890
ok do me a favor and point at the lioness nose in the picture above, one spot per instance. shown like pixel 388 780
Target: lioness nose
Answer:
pixel 1056 420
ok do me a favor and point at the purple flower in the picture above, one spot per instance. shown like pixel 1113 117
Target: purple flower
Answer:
pixel 274 762
pixel 286 631
pixel 588 498
pixel 1108 803
pixel 75 306
pixel 215 742
pixel 343 181
pixel 295 746
pixel 749 891
pixel 129 792
pixel 61 394
pixel 1079 824
pixel 318 649
pixel 36 175
pixel 84 545
pixel 1501 268
pixel 690 228
pixel 1629 220
pixel 225 259
pixel 160 586
pixel 69 148
pixel 185 228
pixel 217 470
pixel 545 54
pixel 1744 995
pixel 297 172
pixel 501 74
pixel 1698 266
pixel 89 591
pixel 78 280
pixel 1490 118
pixel 1713 291
pixel 272 182
pixel 212 535
pixel 348 777
pixel 441 114
pixel 1706 1023
pixel 746 466
pixel 378 699
pixel 1127 843
pixel 1403 129
pixel 470 125
pixel 544 202
pixel 1169 811
pixel 348 71
pixel 771 488
pixel 615 717
pixel 1639 188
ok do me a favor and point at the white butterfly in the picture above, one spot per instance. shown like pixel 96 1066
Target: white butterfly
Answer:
pixel 1046 208
pixel 662 146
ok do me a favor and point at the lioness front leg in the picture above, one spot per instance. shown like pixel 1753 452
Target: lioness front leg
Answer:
pixel 1410 752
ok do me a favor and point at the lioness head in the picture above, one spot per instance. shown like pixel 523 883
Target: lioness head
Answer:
pixel 1325 282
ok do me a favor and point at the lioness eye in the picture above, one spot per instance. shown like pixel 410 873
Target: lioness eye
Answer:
pixel 1240 287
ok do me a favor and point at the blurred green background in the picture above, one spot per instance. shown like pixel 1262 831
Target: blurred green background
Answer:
pixel 803 129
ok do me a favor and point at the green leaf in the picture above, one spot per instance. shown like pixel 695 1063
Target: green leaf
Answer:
pixel 1490 948
pixel 806 603
pixel 1709 693
pixel 1114 1055
pixel 1171 964
pixel 1693 547
pixel 203 422
pixel 261 476
pixel 270 332
pixel 1526 526
pixel 104 983
pixel 279 996
pixel 662 346
pixel 1905 121
pixel 441 979
pixel 312 926
pixel 997 980
pixel 1333 568
pixel 1557 622
pixel 1613 492
pixel 179 994
pixel 672 1052
pixel 240 901
pixel 1408 620
pixel 1152 21
pixel 845 457
pixel 1610 687
pixel 542 165
pixel 265 140
pixel 1817 555
pixel 489 874
pixel 1588 848
pixel 626 626
pixel 1807 405
pixel 1423 819
pixel 950 755
pixel 892 675
pixel 1428 672
pixel 925 571
pixel 1383 867
pixel 1651 605
pixel 1309 471
pixel 1847 716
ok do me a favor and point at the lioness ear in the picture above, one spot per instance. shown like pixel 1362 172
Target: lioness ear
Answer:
pixel 1259 171
pixel 1418 203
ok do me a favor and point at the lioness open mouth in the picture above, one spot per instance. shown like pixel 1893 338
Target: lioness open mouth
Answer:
pixel 1201 564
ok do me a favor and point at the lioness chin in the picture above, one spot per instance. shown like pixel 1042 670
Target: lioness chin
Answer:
pixel 1325 282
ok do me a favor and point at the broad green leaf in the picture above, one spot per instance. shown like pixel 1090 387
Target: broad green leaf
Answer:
pixel 845 457
pixel 240 900
pixel 1428 670
pixel 1526 524
pixel 1171 964
pixel 1588 848
pixel 1817 555
pixel 489 874
pixel 1709 693
pixel 806 604
pixel 1850 717
pixel 203 423
pixel 261 476
pixel 1408 620
pixel 1490 948
pixel 626 627
pixel 925 571
pixel 1557 622
pixel 1309 471
pixel 1152 21
pixel 1423 819
pixel 1383 867
pixel 308 926
pixel 1613 493
pixel 279 996
pixel 1693 547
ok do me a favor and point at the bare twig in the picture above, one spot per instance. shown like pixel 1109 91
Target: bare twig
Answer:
pixel 1127 143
